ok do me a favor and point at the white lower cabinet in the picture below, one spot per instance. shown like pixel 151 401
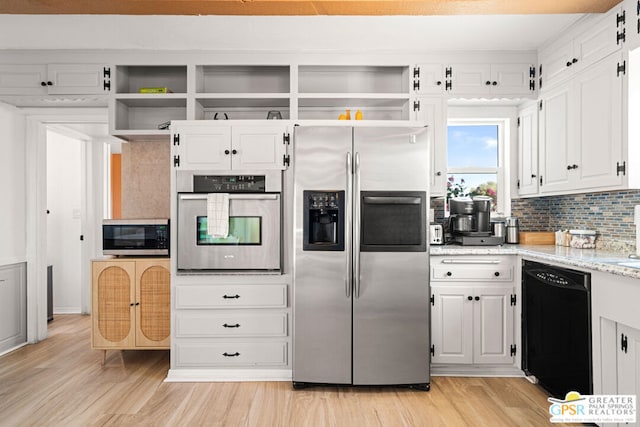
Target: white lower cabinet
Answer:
pixel 615 336
pixel 230 326
pixel 473 311
pixel 13 306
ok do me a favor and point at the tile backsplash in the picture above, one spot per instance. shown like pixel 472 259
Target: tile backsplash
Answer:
pixel 609 213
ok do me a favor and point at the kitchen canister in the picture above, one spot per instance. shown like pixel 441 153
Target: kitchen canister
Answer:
pixel 513 228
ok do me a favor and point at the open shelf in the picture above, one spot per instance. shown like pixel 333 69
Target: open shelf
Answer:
pixel 353 79
pixel 130 78
pixel 242 79
pixel 148 112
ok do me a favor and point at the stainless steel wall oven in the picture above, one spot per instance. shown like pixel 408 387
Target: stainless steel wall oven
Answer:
pixel 254 222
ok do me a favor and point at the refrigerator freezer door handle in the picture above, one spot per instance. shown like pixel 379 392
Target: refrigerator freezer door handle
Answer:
pixel 347 226
pixel 356 226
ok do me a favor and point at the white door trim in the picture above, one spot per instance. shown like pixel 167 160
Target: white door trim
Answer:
pixel 37 121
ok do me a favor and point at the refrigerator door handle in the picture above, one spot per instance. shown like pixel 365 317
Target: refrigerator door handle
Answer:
pixel 347 226
pixel 356 226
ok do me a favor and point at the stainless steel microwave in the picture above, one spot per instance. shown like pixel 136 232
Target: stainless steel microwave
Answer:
pixel 135 237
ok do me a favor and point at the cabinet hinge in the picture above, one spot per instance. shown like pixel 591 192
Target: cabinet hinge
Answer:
pixel 622 68
pixel 448 72
pixel 621 36
pixel 286 160
pixel 106 72
pixel 621 168
pixel 416 85
pixel 432 299
pixel 176 139
pixel 513 296
pixel 416 72
pixel 532 85
pixel 540 105
pixel 513 350
pixel 448 85
pixel 286 137
pixel 416 105
pixel 623 343
pixel 176 161
pixel 540 180
pixel 621 19
pixel 433 349
pixel 106 85
pixel 532 72
pixel 518 184
pixel 518 121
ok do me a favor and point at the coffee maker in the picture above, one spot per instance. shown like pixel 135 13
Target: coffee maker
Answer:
pixel 470 221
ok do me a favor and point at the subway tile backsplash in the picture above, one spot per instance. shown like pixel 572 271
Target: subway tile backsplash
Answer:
pixel 609 213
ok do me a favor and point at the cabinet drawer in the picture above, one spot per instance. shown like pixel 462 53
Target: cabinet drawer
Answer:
pixel 451 269
pixel 231 296
pixel 232 324
pixel 221 354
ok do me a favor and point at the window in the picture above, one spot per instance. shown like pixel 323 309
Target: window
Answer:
pixel 475 163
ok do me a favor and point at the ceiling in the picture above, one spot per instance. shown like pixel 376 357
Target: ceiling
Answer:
pixel 308 7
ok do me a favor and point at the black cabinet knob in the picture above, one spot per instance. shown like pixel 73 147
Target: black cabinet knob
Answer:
pixel 234 151
pixel 49 83
pixel 438 173
pixel 574 60
pixel 569 63
pixel 226 152
pixel 497 273
pixel 494 83
pixel 533 176
pixel 470 298
pixel 438 83
pixel 488 83
pixel 477 298
pixel 449 273
pixel 43 83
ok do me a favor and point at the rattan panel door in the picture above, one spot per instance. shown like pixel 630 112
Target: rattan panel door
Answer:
pixel 153 313
pixel 113 311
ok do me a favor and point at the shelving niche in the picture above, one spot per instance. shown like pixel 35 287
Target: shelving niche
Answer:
pixel 380 92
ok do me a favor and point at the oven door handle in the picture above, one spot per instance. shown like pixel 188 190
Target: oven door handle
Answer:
pixel 233 196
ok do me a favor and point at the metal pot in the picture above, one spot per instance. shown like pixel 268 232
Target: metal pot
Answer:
pixel 462 223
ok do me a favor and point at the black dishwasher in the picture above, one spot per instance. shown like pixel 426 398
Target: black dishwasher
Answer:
pixel 556 328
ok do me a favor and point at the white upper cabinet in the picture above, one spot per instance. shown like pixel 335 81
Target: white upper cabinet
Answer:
pixel 432 110
pixel 55 79
pixel 203 146
pixel 430 79
pixel 568 56
pixel 528 150
pixel 581 143
pixel 632 11
pixel 508 79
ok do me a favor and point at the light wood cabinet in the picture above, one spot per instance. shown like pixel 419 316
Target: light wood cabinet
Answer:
pixel 472 313
pixel 131 304
pixel 200 146
pixel 13 306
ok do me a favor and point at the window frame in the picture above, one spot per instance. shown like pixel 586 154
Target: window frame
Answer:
pixel 474 117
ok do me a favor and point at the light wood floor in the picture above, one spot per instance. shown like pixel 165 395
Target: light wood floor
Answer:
pixel 60 382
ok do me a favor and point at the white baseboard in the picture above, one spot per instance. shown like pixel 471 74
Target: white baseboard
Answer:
pixel 228 375
pixel 67 310
pixel 2 353
pixel 475 371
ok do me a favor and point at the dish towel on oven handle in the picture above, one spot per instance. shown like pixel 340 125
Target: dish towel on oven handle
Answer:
pixel 218 214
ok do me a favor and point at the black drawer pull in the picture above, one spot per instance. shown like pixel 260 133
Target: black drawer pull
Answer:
pixel 236 296
pixel 225 354
pixel 226 325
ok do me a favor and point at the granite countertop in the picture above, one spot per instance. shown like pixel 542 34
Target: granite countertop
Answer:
pixel 592 259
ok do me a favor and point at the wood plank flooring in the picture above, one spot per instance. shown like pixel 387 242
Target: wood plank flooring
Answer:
pixel 60 382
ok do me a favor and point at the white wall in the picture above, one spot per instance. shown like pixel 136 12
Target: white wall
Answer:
pixel 282 33
pixel 64 185
pixel 13 203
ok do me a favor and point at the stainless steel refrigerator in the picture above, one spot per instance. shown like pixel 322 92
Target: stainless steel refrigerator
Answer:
pixel 361 261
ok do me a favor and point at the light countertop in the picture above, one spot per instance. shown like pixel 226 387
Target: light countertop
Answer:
pixel 592 259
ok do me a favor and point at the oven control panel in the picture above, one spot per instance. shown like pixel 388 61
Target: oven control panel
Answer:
pixel 229 184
